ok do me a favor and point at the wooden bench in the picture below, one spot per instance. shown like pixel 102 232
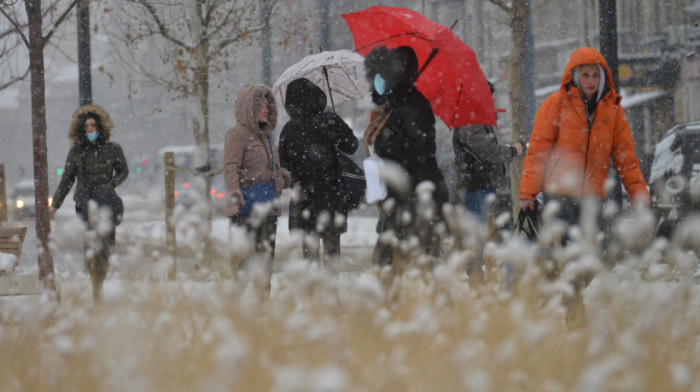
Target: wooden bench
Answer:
pixel 11 240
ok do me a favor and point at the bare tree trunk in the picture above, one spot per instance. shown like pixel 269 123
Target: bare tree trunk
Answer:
pixel 41 178
pixel 516 92
pixel 199 105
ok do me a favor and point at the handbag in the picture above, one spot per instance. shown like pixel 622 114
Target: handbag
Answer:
pixel 105 198
pixel 528 224
pixel 376 187
pixel 352 179
pixel 254 194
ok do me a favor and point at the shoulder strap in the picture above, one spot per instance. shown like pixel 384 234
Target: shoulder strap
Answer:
pixel 375 128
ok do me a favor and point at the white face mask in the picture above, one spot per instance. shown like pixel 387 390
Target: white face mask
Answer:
pixel 92 136
pixel 379 84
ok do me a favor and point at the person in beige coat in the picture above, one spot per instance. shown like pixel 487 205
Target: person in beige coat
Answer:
pixel 251 162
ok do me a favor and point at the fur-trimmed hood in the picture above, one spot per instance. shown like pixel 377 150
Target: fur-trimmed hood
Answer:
pixel 249 103
pixel 76 135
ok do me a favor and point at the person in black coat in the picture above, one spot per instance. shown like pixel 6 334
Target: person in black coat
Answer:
pixel 406 142
pixel 309 146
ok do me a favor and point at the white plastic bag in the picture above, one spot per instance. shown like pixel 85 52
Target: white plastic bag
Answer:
pixel 376 187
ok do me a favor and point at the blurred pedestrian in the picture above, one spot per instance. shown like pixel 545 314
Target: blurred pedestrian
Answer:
pixel 99 166
pixel 252 172
pixel 309 147
pixel 405 141
pixel 480 163
pixel 577 131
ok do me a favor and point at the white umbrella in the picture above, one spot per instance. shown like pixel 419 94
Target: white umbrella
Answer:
pixel 340 73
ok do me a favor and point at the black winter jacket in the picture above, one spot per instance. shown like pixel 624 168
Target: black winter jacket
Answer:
pixel 408 137
pixel 105 167
pixel 308 148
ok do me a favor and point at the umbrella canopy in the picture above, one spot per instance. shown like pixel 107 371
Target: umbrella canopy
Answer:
pixel 452 80
pixel 341 70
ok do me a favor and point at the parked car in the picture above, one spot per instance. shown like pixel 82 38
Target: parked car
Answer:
pixel 22 199
pixel 675 177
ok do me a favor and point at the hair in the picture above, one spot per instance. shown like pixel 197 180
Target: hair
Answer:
pixel 83 117
pixel 493 89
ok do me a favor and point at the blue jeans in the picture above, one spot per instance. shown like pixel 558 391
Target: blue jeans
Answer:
pixel 475 202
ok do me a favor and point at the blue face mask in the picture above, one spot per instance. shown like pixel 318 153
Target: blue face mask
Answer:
pixel 92 136
pixel 379 84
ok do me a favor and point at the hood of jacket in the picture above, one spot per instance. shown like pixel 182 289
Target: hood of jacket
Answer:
pixel 303 98
pixel 398 67
pixel 582 56
pixel 77 135
pixel 248 105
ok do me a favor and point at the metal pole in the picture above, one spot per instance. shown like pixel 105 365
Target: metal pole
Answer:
pixel 608 37
pixel 170 239
pixel 325 30
pixel 3 194
pixel 608 47
pixel 84 72
pixel 529 72
pixel 266 42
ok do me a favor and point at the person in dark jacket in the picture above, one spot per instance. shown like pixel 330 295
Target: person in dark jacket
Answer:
pixel 480 164
pixel 406 143
pixel 96 162
pixel 309 146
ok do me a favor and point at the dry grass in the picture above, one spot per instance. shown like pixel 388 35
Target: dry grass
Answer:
pixel 322 332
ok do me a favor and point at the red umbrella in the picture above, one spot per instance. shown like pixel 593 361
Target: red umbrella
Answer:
pixel 450 78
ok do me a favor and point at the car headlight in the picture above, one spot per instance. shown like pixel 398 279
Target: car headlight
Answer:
pixel 19 203
pixel 675 184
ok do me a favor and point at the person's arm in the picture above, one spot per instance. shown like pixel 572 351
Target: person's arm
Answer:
pixel 233 160
pixel 484 145
pixel 626 162
pixel 70 171
pixel 342 135
pixel 544 135
pixel 121 168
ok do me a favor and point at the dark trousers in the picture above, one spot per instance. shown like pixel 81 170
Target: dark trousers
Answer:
pixel 262 231
pixel 97 247
pixel 395 223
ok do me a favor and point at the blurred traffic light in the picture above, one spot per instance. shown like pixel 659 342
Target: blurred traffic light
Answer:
pixel 59 171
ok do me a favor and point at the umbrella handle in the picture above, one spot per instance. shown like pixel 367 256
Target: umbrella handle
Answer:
pixel 328 83
pixel 432 55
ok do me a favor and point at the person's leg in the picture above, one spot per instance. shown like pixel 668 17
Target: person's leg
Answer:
pixel 476 202
pixel 101 264
pixel 266 241
pixel 310 246
pixel 383 253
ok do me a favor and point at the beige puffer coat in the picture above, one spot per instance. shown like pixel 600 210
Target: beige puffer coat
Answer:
pixel 249 149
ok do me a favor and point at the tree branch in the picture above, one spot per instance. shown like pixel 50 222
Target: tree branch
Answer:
pixel 162 30
pixel 15 80
pixel 501 4
pixel 14 23
pixel 58 22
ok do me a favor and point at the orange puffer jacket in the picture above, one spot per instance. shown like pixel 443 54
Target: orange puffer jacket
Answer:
pixel 566 157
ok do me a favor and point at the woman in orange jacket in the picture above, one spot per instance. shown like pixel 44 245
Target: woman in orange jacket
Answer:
pixel 577 130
